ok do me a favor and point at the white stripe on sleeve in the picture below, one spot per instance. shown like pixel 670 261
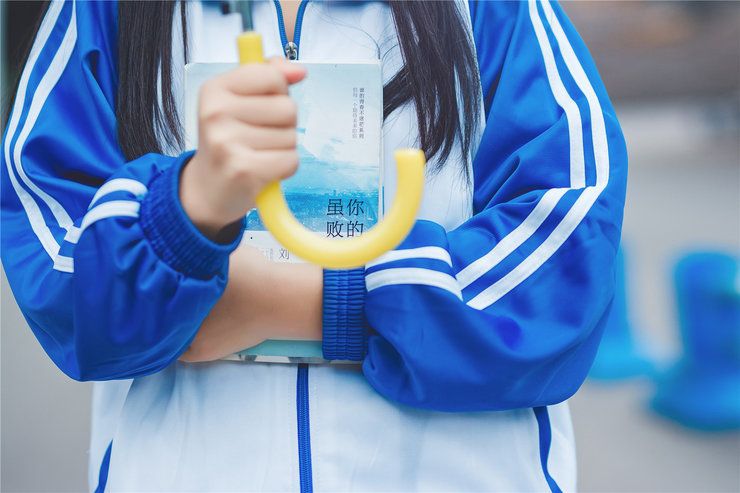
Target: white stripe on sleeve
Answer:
pixel 40 95
pixel 30 206
pixel 410 275
pixel 429 252
pixel 136 188
pixel 586 200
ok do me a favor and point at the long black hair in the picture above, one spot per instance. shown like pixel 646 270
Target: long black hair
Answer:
pixel 439 75
pixel 437 52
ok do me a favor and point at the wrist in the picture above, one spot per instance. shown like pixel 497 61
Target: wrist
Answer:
pixel 197 207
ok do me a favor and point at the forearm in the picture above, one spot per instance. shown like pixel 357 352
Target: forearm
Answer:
pixel 262 300
pixel 284 299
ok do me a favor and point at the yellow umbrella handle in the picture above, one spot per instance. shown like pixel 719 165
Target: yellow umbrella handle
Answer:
pixel 346 253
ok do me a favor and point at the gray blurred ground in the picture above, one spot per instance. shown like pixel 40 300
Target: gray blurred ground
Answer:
pixel 674 70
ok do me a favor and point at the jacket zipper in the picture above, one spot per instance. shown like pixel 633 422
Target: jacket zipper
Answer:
pixel 304 430
pixel 290 48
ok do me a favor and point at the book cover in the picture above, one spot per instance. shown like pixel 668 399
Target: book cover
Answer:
pixel 336 190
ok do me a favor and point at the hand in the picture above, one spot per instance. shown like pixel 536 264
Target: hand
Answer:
pixel 246 139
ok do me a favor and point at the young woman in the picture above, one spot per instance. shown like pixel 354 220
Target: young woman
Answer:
pixel 469 336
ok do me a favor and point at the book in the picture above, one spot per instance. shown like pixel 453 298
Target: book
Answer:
pixel 337 189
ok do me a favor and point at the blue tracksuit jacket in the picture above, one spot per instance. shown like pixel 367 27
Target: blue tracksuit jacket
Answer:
pixel 504 311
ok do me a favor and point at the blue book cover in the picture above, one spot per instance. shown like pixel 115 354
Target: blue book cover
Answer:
pixel 336 191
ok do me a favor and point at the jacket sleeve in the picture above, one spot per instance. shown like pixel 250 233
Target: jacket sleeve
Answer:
pixel 505 311
pixel 110 274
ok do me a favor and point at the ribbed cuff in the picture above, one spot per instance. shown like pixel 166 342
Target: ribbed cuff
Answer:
pixel 344 334
pixel 174 238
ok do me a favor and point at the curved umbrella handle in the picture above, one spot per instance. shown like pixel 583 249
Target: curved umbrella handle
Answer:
pixel 347 253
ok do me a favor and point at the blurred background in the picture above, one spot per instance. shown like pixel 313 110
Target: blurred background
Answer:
pixel 658 413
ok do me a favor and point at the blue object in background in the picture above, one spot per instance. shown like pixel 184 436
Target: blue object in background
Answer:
pixel 619 356
pixel 702 390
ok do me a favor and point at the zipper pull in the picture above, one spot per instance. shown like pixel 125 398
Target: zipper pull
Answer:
pixel 291 50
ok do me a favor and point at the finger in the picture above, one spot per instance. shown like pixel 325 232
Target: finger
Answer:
pixel 253 79
pixel 270 111
pixel 226 135
pixel 272 165
pixel 293 72
pixel 269 138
